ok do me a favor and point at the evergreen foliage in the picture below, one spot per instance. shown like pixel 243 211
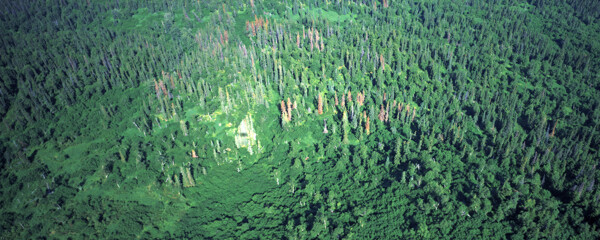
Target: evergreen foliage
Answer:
pixel 259 119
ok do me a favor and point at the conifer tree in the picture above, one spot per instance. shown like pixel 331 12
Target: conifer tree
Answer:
pixel 345 127
pixel 320 105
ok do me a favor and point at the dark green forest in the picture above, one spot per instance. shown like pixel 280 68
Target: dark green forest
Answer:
pixel 290 119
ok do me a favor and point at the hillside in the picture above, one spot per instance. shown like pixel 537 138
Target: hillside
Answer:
pixel 259 119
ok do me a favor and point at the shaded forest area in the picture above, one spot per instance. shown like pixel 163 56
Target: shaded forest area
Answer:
pixel 247 119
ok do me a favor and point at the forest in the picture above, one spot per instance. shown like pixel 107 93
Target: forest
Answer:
pixel 299 119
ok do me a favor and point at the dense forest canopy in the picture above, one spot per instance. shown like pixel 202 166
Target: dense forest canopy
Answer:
pixel 248 119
